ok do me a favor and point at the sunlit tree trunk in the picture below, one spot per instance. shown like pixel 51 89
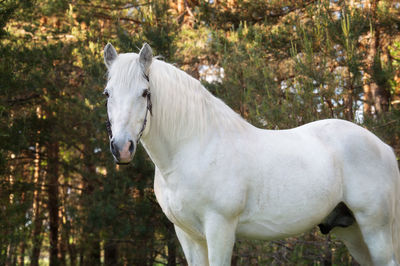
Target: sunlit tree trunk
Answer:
pixel 367 95
pixel 11 253
pixel 37 210
pixel 73 253
pixel 22 246
pixel 64 238
pixel 180 6
pixel 349 99
pixel 69 245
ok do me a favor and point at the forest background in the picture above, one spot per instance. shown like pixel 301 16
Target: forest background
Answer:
pixel 280 64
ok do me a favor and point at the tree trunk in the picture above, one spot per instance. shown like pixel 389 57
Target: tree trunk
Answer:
pixel 82 261
pixel 37 239
pixel 22 245
pixel 376 95
pixel 11 253
pixel 367 95
pixel 63 244
pixel 93 242
pixel 64 228
pixel 37 210
pixel 348 99
pixel 94 252
pixel 52 172
pixel 171 247
pixel 110 253
pixel 235 256
pixel 73 254
pixel 22 253
pixel 70 245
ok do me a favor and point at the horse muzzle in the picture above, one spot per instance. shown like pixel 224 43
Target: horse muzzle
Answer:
pixel 123 154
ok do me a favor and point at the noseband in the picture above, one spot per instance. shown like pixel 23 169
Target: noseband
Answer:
pixel 147 95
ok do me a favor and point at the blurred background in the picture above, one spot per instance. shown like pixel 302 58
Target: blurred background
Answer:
pixel 280 64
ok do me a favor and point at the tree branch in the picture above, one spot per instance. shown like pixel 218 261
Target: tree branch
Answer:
pixel 22 99
pixel 104 16
pixel 127 6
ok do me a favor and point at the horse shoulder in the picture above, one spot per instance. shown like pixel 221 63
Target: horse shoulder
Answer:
pixel 176 203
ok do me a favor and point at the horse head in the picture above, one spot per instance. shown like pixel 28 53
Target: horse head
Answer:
pixel 128 99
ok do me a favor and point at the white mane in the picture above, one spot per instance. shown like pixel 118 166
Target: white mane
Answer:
pixel 181 105
pixel 184 107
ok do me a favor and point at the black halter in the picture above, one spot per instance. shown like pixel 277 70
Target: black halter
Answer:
pixel 149 107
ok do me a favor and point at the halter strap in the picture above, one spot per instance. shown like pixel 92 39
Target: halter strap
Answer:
pixel 149 108
pixel 108 125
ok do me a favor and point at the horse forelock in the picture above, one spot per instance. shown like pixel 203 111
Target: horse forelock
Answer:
pixel 125 70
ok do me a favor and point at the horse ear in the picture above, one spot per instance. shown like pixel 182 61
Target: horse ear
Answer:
pixel 110 54
pixel 145 57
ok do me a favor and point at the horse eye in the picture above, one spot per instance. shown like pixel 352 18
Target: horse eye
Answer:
pixel 145 92
pixel 106 94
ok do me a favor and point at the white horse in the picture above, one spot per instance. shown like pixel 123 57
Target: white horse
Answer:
pixel 219 178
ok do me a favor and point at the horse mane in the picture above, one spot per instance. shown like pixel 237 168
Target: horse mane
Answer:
pixel 182 106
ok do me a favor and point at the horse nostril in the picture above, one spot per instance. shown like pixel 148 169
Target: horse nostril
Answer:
pixel 131 147
pixel 114 150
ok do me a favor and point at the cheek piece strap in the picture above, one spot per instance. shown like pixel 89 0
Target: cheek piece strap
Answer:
pixel 147 94
pixel 149 107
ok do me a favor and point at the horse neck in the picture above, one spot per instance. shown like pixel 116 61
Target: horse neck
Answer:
pixel 184 113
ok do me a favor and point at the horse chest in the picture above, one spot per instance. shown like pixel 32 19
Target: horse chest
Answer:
pixel 178 208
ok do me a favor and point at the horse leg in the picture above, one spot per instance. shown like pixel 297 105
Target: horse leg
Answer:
pixel 195 249
pixel 220 235
pixel 352 238
pixel 377 233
